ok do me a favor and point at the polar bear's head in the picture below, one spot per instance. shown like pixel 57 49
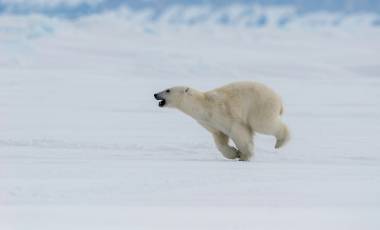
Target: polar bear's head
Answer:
pixel 172 97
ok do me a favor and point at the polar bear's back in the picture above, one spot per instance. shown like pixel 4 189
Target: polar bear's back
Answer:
pixel 252 102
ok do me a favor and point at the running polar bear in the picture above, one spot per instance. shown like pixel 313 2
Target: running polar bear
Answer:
pixel 235 111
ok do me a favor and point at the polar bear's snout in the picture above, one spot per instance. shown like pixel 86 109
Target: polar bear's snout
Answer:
pixel 160 98
pixel 172 97
pixel 157 96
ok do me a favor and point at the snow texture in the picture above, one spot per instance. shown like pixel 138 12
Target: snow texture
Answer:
pixel 83 144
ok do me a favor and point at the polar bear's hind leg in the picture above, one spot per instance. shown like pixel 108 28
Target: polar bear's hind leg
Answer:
pixel 276 128
pixel 282 135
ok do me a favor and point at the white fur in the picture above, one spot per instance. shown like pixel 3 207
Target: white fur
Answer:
pixel 235 111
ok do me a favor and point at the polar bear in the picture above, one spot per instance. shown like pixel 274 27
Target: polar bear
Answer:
pixel 234 111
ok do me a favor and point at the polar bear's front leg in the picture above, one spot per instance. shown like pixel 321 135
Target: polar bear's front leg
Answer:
pixel 221 141
pixel 243 139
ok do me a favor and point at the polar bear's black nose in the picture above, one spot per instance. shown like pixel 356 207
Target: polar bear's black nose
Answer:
pixel 156 96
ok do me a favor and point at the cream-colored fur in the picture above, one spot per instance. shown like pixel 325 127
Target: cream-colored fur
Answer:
pixel 235 111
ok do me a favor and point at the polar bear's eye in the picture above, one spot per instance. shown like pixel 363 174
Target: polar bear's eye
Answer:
pixel 168 90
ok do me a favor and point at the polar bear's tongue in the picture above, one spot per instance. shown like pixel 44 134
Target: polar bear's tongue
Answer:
pixel 161 103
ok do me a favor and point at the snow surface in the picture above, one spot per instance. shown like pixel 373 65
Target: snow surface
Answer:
pixel 83 144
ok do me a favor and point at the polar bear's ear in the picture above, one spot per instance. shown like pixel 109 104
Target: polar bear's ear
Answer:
pixel 186 90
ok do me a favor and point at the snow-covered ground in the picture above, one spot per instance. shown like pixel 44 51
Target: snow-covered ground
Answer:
pixel 83 144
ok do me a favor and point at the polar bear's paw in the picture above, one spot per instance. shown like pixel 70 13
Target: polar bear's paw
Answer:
pixel 279 143
pixel 234 154
pixel 244 158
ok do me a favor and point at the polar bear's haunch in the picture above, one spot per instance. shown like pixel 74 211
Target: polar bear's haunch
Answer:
pixel 235 111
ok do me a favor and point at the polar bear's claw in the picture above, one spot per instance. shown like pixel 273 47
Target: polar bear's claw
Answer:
pixel 279 143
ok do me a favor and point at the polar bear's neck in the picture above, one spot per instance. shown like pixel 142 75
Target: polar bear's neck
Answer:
pixel 195 105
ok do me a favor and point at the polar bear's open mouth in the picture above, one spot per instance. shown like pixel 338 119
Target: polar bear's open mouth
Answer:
pixel 162 102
